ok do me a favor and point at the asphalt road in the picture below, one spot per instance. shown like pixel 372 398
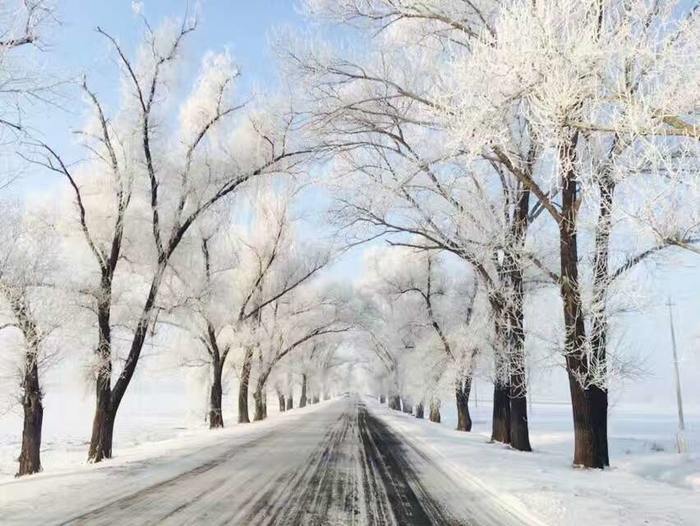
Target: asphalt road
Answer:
pixel 338 465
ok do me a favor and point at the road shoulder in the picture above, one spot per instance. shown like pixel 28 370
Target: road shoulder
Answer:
pixel 540 487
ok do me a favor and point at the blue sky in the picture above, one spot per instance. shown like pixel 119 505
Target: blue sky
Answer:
pixel 74 48
pixel 242 26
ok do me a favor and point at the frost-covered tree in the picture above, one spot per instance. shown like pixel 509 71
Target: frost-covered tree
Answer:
pixel 163 172
pixel 388 331
pixel 278 263
pixel 304 317
pixel 378 110
pixel 21 25
pixel 23 81
pixel 439 313
pixel 545 108
pixel 602 86
pixel 232 270
pixel 316 363
pixel 29 313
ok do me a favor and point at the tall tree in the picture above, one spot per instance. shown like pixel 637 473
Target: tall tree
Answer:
pixel 29 308
pixel 379 112
pixel 236 270
pixel 175 183
pixel 594 108
pixel 304 317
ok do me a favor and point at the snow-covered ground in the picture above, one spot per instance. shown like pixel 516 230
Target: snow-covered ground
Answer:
pixel 151 414
pixel 142 464
pixel 648 483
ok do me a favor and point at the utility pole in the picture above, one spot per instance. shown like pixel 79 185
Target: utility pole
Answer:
pixel 681 444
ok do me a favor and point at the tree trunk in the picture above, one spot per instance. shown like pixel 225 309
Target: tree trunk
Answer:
pixel 264 403
pixel 290 394
pixel 302 400
pixel 109 399
pixel 316 398
pixel 599 422
pixel 589 408
pixel 395 402
pixel 599 315
pixel 435 410
pixel 103 422
pixel 216 418
pixel 259 405
pixel 243 417
pixel 420 411
pixel 382 398
pixel 102 435
pixel 588 403
pixel 105 413
pixel 515 333
pixel 406 405
pixel 29 458
pixel 519 432
pixel 500 431
pixel 462 390
pixel 280 397
pixel 519 429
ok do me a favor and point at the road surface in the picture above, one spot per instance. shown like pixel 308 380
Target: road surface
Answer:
pixel 337 465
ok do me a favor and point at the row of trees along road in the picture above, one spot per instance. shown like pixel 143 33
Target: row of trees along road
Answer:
pixel 180 216
pixel 504 151
pixel 536 141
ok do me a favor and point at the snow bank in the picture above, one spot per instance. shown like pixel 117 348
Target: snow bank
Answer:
pixel 647 484
pixel 150 413
pixel 76 485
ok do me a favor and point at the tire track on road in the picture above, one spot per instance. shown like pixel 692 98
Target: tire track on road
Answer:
pixel 339 465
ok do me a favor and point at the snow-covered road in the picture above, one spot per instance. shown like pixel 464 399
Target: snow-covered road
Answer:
pixel 338 464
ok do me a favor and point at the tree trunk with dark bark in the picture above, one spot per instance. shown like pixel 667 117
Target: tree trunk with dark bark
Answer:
pixel 382 398
pixel 243 417
pixel 290 393
pixel 30 455
pixel 519 430
pixel 108 400
pixel 302 400
pixel 589 403
pixel 462 390
pixel 599 324
pixel 420 411
pixel 500 430
pixel 395 402
pixel 259 410
pixel 216 418
pixel 406 405
pixel 589 408
pixel 29 458
pixel 515 333
pixel 434 415
pixel 316 399
pixel 280 397
pixel 102 427
pixel 103 421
